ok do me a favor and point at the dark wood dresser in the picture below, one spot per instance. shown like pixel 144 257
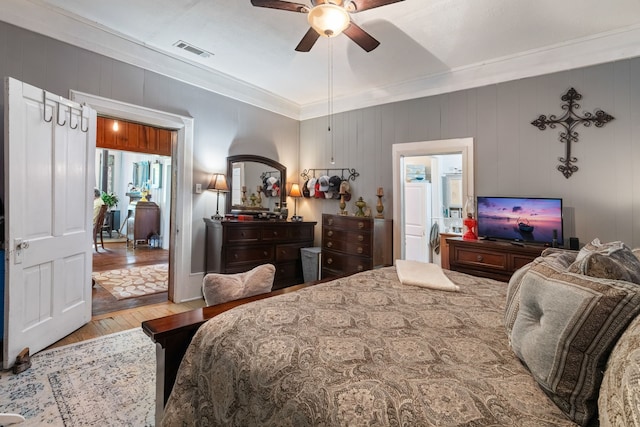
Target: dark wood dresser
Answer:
pixel 239 246
pixel 351 244
pixel 484 258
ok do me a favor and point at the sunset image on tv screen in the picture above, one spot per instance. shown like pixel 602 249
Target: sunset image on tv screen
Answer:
pixel 527 219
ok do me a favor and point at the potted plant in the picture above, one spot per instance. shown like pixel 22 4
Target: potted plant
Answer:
pixel 110 199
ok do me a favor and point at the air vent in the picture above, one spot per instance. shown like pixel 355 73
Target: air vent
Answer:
pixel 192 49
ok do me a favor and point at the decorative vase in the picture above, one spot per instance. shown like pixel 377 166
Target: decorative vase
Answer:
pixel 360 204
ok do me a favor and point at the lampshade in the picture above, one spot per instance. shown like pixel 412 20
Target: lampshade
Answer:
pixel 295 191
pixel 218 182
pixel 328 19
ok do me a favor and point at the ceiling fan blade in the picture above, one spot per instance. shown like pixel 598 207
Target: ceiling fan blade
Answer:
pixel 308 41
pixel 282 5
pixel 360 5
pixel 361 37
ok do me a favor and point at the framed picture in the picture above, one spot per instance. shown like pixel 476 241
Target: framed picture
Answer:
pixel 156 175
pixel 453 190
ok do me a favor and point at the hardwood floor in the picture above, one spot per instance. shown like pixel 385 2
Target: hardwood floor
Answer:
pixel 111 315
pixel 116 255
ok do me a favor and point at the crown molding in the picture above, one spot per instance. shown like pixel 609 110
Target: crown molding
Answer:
pixel 37 16
pixel 599 49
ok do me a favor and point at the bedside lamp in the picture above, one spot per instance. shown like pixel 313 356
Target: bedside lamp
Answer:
pixel 218 183
pixel 295 193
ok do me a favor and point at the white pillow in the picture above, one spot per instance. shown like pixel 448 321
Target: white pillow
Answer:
pixel 218 288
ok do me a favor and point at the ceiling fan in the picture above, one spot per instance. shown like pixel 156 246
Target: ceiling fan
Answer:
pixel 329 18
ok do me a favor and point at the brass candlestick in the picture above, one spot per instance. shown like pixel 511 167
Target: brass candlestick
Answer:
pixel 343 205
pixel 244 196
pixel 380 207
pixel 259 199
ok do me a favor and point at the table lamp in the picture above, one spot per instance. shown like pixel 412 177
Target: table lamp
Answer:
pixel 295 193
pixel 218 183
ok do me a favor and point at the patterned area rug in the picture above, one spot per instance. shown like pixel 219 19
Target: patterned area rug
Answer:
pixel 107 381
pixel 135 281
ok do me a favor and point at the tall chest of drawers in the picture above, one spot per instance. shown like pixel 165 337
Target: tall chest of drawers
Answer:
pixel 351 244
pixel 239 246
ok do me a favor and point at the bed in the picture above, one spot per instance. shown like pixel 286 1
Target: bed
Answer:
pixel 361 350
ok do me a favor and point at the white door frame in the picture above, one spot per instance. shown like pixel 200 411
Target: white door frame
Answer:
pixel 181 287
pixel 463 146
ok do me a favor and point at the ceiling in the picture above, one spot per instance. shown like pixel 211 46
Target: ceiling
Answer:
pixel 427 46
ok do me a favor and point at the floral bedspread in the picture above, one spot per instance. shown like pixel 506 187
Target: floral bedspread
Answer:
pixel 363 350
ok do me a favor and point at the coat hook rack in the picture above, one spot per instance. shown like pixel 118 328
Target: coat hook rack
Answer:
pixel 350 174
pixel 62 106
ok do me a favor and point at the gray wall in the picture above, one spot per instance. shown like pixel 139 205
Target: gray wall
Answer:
pixel 512 157
pixel 222 126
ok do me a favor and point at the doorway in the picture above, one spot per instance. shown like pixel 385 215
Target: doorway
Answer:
pixel 446 179
pixel 182 286
pixel 119 265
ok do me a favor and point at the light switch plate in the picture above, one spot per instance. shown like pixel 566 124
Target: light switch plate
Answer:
pixel 198 188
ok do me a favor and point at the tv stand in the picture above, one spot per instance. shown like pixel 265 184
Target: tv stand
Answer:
pixel 487 258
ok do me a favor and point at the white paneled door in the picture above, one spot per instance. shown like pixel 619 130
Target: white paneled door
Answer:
pixel 417 219
pixel 49 150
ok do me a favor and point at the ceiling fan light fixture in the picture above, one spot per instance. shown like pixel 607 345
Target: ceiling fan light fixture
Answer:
pixel 328 19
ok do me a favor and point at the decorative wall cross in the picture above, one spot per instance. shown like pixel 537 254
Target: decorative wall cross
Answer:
pixel 569 121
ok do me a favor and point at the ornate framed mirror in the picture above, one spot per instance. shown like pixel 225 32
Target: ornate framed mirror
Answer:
pixel 249 171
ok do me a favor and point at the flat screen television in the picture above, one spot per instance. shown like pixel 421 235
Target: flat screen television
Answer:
pixel 526 219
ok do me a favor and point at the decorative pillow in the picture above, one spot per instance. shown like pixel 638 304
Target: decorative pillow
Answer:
pixel 219 288
pixel 612 260
pixel 618 401
pixel 564 330
pixel 560 259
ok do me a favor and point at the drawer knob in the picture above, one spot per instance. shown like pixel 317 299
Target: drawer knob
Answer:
pixel 235 256
pixel 330 221
pixel 360 224
pixel 360 268
pixel 242 233
pixel 329 261
pixel 359 250
pixel 329 244
pixel 330 233
pixel 479 258
pixel 360 238
pixel 275 233
pixel 283 252
pixel 265 253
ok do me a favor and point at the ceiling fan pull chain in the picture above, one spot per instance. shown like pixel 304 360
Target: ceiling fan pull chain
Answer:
pixel 330 118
